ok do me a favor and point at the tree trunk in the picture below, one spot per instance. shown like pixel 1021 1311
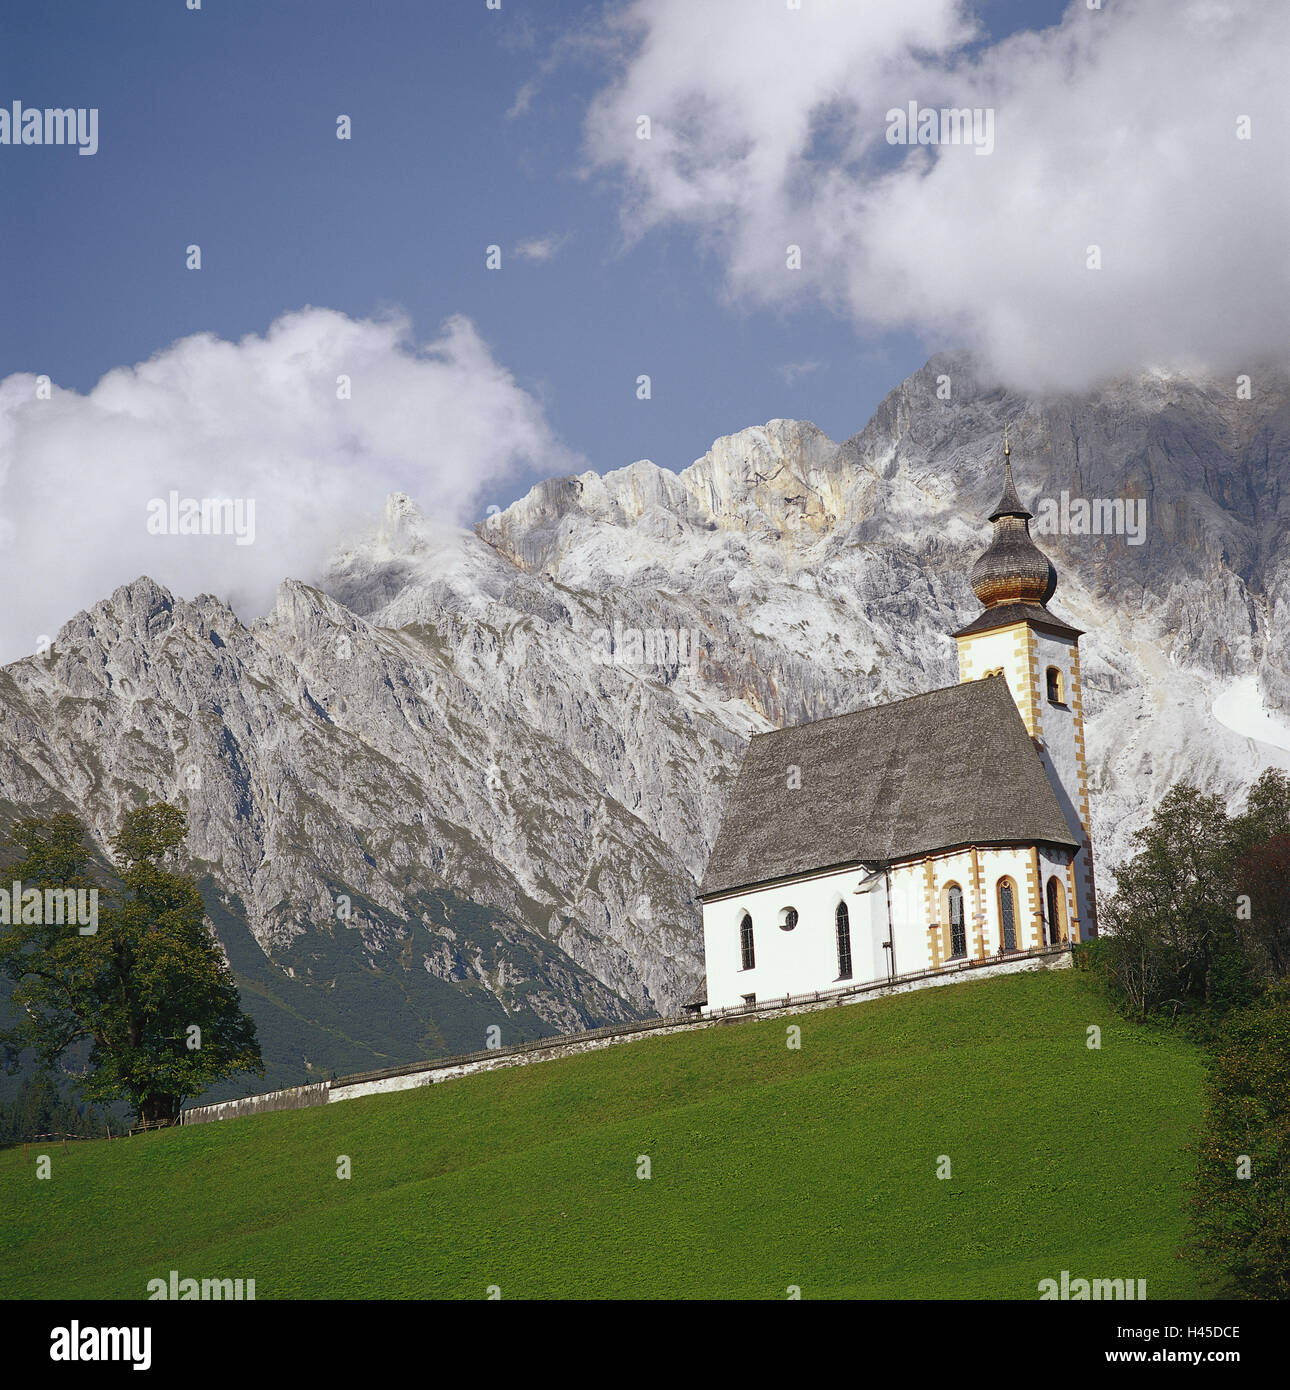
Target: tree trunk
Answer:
pixel 156 1109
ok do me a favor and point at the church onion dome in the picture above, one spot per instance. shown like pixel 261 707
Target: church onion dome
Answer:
pixel 1012 569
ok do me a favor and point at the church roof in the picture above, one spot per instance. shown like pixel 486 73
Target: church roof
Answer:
pixel 1006 614
pixel 932 772
pixel 699 997
pixel 1009 504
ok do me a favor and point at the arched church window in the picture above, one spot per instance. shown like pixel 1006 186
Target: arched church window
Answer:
pixel 1056 696
pixel 1008 914
pixel 746 942
pixel 842 918
pixel 958 929
pixel 1056 915
pixel 787 918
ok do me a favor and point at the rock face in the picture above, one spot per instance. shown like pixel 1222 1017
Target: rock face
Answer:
pixel 508 751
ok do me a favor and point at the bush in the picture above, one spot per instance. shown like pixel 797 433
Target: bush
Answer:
pixel 1090 955
pixel 1240 1203
pixel 1200 922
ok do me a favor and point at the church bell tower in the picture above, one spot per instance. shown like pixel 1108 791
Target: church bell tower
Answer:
pixel 1038 655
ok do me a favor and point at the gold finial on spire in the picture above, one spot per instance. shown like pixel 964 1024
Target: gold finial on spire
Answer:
pixel 1007 452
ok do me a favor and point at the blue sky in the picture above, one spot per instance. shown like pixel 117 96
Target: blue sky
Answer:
pixel 218 127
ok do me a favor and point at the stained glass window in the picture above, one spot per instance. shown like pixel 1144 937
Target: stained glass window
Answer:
pixel 958 931
pixel 1008 914
pixel 746 942
pixel 1054 913
pixel 843 919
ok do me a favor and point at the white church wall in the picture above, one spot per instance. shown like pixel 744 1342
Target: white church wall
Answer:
pixel 1057 864
pixel 1060 728
pixel 1005 649
pixel 910 912
pixel 923 902
pixel 805 959
pixel 1019 866
pixel 977 874
pixel 1056 729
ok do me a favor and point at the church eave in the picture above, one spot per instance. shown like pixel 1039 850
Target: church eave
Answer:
pixel 904 861
pixel 1007 614
pixel 711 895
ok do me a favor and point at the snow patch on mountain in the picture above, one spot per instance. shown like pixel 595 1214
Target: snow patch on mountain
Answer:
pixel 1240 708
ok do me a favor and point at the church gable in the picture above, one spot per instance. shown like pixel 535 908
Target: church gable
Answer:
pixel 947 768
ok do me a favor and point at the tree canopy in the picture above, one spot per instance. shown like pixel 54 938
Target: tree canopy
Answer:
pixel 1240 1204
pixel 1200 920
pixel 1198 931
pixel 149 989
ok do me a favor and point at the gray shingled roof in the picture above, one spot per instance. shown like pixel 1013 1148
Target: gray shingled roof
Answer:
pixel 951 767
pixel 1009 504
pixel 699 996
pixel 1007 613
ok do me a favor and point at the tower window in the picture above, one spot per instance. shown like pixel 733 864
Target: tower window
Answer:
pixel 1008 914
pixel 1056 694
pixel 746 942
pixel 843 920
pixel 958 929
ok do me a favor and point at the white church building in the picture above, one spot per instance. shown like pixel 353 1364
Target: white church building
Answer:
pixel 921 835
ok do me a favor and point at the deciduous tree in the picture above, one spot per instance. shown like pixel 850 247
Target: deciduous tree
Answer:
pixel 150 989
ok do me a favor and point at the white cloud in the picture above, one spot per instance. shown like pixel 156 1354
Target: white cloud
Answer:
pixel 1116 129
pixel 523 101
pixel 260 419
pixel 793 372
pixel 541 248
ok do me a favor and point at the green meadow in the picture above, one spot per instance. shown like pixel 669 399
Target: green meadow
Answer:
pixel 770 1168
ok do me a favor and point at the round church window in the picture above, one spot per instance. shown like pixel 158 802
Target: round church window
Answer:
pixel 788 919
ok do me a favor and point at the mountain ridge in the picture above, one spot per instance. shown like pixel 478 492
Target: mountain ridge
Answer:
pixel 512 745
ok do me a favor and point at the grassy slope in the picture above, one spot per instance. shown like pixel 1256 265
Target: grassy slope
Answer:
pixel 771 1167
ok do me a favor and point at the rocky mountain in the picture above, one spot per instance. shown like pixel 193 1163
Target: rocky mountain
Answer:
pixel 505 753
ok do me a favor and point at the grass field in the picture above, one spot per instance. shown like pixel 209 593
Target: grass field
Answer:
pixel 771 1167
